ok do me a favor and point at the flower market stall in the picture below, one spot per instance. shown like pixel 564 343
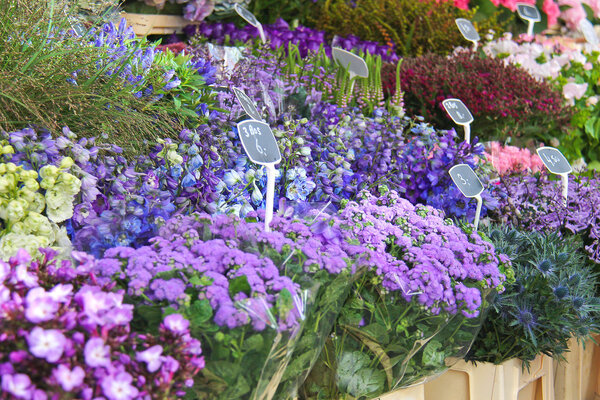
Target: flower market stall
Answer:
pixel 299 200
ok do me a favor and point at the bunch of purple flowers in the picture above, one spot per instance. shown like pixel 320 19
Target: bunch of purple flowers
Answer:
pixel 61 338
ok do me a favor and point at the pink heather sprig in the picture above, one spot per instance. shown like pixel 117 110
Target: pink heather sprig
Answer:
pixel 67 340
pixel 509 159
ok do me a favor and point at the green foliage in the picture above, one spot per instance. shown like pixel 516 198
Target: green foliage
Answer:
pixel 413 27
pixel 551 300
pixel 295 11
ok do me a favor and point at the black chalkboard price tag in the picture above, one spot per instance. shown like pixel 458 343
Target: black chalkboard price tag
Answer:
pixel 465 179
pixel 259 142
pixel 247 104
pixel 467 29
pixel 457 110
pixel 529 12
pixel 356 65
pixel 589 33
pixel 554 160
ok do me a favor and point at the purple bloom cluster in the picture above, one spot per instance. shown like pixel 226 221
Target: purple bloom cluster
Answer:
pixel 535 202
pixel 60 338
pixel 180 265
pixel 279 35
pixel 421 255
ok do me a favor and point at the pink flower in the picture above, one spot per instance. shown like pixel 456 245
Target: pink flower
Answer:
pixel 96 353
pixel 552 11
pixel 69 379
pixel 118 387
pixel 48 344
pixel 40 306
pixel 19 385
pixel 152 357
pixel 574 14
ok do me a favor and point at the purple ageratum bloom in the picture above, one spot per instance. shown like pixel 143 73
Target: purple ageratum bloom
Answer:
pixel 152 357
pixel 96 353
pixel 118 387
pixel 69 379
pixel 19 385
pixel 176 323
pixel 47 344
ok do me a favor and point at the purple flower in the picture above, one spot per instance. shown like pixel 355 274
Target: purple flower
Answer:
pixel 19 385
pixel 96 353
pixel 152 357
pixel 176 323
pixel 69 379
pixel 48 344
pixel 118 387
pixel 40 306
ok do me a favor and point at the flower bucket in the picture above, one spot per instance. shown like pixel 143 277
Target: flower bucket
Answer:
pixel 150 24
pixel 486 381
pixel 578 376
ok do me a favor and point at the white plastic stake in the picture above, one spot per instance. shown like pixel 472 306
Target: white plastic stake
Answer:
pixel 556 163
pixel 478 211
pixel 251 19
pixel 467 128
pixel 460 114
pixel 270 195
pixel 565 187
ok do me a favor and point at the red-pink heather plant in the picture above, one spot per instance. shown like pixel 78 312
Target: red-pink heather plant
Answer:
pixel 509 159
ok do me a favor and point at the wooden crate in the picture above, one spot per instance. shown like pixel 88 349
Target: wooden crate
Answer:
pixel 487 381
pixel 411 393
pixel 149 24
pixel 578 378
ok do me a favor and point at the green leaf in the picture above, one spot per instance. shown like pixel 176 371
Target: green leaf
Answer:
pixel 284 303
pixel 199 312
pixel 254 343
pixel 432 356
pixel 239 284
pixel 356 377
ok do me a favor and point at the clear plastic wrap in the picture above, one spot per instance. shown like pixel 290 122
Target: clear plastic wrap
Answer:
pixel 381 343
pixel 251 364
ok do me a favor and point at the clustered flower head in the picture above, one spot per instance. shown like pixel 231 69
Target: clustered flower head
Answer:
pixel 33 203
pixel 510 159
pixel 63 338
pixel 422 256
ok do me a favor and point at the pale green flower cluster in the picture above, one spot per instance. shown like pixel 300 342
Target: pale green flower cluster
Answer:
pixel 32 205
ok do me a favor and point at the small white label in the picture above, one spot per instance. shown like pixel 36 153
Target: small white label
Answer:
pixel 259 142
pixel 457 110
pixel 467 29
pixel 465 179
pixel 529 12
pixel 355 64
pixel 589 32
pixel 554 160
pixel 247 104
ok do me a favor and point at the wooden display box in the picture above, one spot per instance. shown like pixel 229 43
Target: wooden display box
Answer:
pixel 412 393
pixel 507 381
pixel 150 24
pixel 578 377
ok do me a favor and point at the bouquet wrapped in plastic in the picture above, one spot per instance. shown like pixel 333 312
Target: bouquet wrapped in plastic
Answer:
pixel 417 306
pixel 247 293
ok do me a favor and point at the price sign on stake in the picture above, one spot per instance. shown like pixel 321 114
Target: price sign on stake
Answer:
pixel 556 163
pixel 247 104
pixel 460 114
pixel 251 19
pixel 356 65
pixel 260 146
pixel 469 184
pixel 588 31
pixel 530 14
pixel 468 31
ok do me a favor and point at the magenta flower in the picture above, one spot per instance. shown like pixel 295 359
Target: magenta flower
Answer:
pixel 96 353
pixel 69 379
pixel 61 293
pixel 176 323
pixel 152 357
pixel 118 387
pixel 19 385
pixel 40 306
pixel 48 344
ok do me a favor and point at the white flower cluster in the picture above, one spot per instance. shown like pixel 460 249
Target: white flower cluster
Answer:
pixel 32 205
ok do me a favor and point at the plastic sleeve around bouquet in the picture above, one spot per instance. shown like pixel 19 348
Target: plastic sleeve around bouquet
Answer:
pixel 447 347
pixel 250 365
pixel 331 293
pixel 382 342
